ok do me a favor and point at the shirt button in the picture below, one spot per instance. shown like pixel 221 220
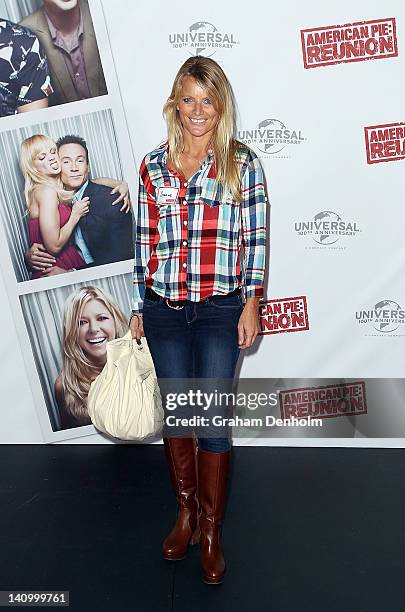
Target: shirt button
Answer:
pixel 185 184
pixel 184 265
pixel 185 222
pixel 77 74
pixel 185 202
pixel 184 242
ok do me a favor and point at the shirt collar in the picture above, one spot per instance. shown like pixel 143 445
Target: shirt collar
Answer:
pixel 79 193
pixel 54 32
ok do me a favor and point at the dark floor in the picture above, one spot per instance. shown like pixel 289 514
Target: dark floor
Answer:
pixel 305 530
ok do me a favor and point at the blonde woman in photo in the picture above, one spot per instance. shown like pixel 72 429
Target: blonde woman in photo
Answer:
pixel 52 219
pixel 91 319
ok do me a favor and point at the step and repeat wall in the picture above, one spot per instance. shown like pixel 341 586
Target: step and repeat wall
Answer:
pixel 320 99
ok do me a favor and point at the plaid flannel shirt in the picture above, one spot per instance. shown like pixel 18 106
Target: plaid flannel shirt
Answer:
pixel 189 239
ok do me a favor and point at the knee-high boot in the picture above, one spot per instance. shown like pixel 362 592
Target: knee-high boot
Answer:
pixel 181 459
pixel 213 470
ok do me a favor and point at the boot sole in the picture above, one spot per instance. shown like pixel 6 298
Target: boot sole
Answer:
pixel 213 580
pixel 195 539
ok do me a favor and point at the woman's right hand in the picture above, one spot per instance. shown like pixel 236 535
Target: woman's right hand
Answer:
pixel 81 208
pixel 136 327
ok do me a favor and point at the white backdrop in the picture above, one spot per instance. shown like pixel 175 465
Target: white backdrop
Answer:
pixel 328 107
pixel 327 172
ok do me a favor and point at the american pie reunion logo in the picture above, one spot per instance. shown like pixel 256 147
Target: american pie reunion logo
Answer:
pixel 351 42
pixel 285 315
pixel 385 142
pixel 343 399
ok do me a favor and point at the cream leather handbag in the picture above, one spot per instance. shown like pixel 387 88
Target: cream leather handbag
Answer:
pixel 124 401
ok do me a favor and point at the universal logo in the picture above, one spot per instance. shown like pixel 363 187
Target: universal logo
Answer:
pixel 386 317
pixel 202 38
pixel 326 228
pixel 271 137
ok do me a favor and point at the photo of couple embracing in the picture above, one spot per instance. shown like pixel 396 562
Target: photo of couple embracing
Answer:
pixel 73 221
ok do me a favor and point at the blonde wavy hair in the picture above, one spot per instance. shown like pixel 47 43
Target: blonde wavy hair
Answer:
pixel 210 76
pixel 30 147
pixel 78 371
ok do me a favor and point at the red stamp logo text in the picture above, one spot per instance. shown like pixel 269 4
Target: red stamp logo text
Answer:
pixel 343 399
pixel 285 315
pixel 352 42
pixel 385 142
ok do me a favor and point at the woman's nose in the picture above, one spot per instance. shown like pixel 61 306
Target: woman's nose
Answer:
pixel 94 327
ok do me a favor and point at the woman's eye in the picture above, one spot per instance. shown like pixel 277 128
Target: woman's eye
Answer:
pixel 207 101
pixel 186 100
pixel 102 318
pixel 82 322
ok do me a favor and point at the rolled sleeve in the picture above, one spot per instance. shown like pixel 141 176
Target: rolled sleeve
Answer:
pixel 254 228
pixel 145 236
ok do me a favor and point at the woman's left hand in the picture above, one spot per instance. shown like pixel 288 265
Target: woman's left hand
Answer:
pixel 248 326
pixel 123 190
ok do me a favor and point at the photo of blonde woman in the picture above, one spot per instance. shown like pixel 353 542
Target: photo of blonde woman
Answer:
pixel 52 218
pixel 91 319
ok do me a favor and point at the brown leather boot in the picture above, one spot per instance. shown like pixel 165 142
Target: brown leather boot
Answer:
pixel 213 470
pixel 181 459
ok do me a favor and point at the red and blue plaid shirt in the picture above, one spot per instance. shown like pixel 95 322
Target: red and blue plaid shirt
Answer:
pixel 190 235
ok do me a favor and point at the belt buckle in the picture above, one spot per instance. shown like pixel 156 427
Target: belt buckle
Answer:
pixel 173 307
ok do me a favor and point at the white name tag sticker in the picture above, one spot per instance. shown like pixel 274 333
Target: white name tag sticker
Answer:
pixel 167 195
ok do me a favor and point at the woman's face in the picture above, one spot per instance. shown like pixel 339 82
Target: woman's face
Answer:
pixel 196 109
pixel 46 161
pixel 96 328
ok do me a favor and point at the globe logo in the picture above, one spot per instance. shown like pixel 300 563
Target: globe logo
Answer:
pixel 326 238
pixel 390 323
pixel 204 27
pixel 270 145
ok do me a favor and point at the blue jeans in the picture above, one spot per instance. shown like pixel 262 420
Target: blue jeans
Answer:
pixel 198 341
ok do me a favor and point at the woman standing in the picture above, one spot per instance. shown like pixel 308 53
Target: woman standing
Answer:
pixel 200 243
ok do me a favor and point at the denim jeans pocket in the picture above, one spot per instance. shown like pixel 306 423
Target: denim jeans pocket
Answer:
pixel 147 303
pixel 224 302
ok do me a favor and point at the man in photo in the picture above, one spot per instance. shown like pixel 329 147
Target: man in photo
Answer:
pixel 65 29
pixel 24 77
pixel 105 234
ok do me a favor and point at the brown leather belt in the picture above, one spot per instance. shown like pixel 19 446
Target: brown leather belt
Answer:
pixel 154 297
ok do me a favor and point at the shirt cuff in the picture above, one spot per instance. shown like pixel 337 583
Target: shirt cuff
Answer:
pixel 253 291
